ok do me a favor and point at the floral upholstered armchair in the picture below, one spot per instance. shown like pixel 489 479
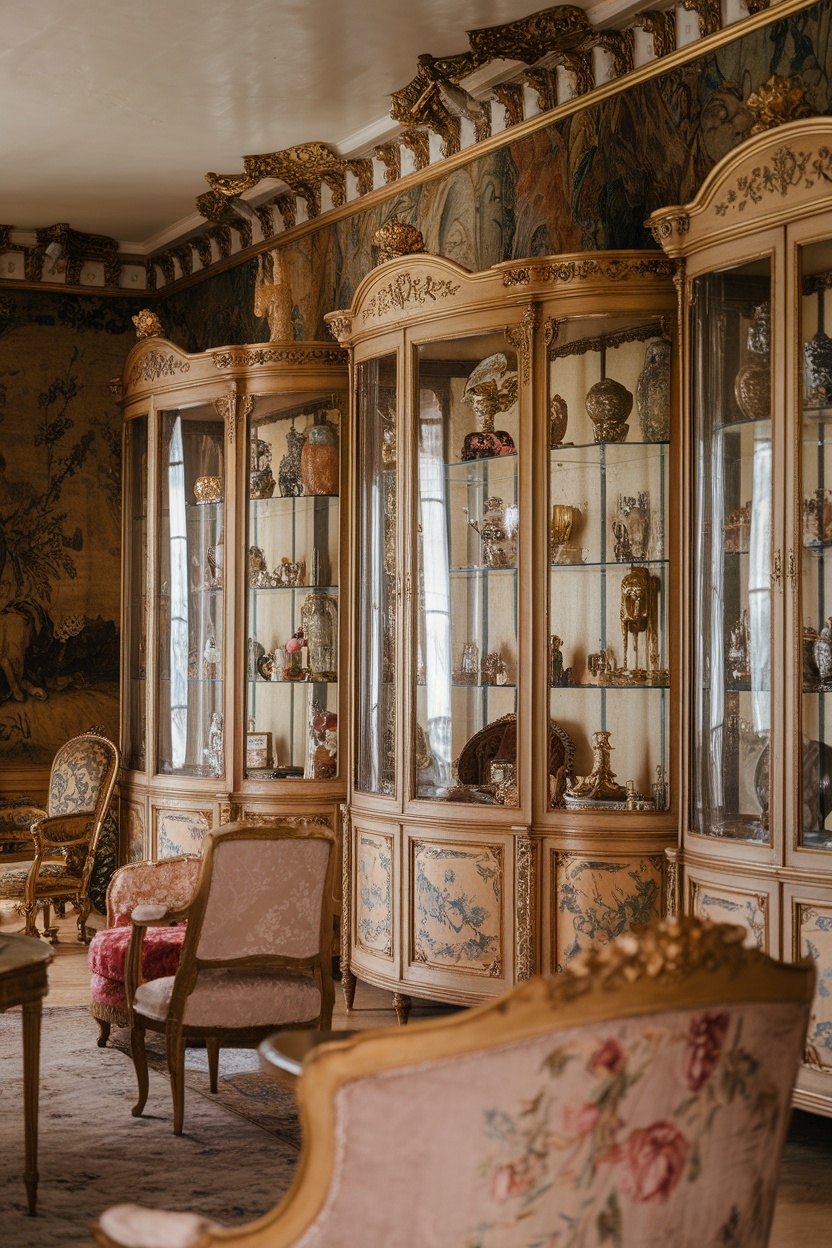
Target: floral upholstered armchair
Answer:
pixel 65 836
pixel 169 882
pixel 257 952
pixel 640 1098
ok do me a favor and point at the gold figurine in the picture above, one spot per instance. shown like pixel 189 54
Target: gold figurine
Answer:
pixel 600 785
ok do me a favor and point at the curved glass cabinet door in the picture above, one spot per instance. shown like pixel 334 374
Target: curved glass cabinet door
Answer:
pixel 609 471
pixel 293 592
pixel 732 553
pixel 135 555
pixel 815 459
pixel 190 589
pixel 467 526
pixel 376 571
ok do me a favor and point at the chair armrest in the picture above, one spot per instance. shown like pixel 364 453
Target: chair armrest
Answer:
pixel 132 1226
pixel 59 830
pixel 17 819
pixel 144 917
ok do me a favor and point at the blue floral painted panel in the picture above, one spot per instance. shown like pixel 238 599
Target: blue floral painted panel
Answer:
pixel 181 831
pixel 374 901
pixel 457 906
pixel 750 912
pixel 598 900
pixel 815 927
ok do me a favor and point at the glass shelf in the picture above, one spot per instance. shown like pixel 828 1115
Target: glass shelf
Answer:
pixel 479 570
pixel 554 451
pixel 295 589
pixel 287 684
pixel 613 563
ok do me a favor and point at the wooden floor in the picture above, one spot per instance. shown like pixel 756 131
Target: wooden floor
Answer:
pixel 803 1218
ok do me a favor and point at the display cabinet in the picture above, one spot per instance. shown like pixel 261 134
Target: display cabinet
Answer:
pixel 234 506
pixel 512 790
pixel 756 750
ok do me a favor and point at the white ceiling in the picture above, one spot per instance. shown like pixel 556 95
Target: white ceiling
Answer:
pixel 115 109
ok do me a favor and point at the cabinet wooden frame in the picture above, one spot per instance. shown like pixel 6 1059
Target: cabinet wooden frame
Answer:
pixel 772 197
pixel 402 307
pixel 159 377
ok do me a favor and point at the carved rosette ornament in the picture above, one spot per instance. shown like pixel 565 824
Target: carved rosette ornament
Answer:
pixel 395 239
pixel 147 324
pixel 671 226
pixel 339 325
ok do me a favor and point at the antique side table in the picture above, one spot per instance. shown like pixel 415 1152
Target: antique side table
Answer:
pixel 23 963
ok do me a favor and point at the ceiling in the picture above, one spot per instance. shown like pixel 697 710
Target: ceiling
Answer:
pixel 115 111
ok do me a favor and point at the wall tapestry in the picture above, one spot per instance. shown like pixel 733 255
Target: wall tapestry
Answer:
pixel 60 519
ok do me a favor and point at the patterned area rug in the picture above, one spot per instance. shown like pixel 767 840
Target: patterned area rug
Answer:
pixel 235 1159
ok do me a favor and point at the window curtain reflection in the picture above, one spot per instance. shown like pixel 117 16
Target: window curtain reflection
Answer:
pixel 435 571
pixel 178 599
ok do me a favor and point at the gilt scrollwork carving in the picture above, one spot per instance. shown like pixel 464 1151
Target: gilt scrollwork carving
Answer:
pixel 406 289
pixel 661 24
pixel 671 225
pixel 435 100
pixel 524 909
pixel 390 155
pixel 709 13
pixel 244 357
pixel 521 337
pixel 303 168
pixel 787 169
pixel 147 324
pixel 347 977
pixel 397 238
pixel 74 248
pixel 545 83
pixel 339 324
pixel 531 38
pixel 777 101
pixel 156 364
pixel 417 142
pixel 510 95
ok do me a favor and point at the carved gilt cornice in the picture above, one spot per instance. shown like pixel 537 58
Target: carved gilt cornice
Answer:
pixel 531 38
pixel 709 13
pixel 246 357
pixel 615 269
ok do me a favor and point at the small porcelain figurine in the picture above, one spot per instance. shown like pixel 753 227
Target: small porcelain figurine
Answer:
pixel 490 389
pixel 498 532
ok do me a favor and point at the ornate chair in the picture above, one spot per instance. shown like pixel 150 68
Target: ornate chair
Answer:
pixel 257 953
pixel 169 882
pixel 65 836
pixel 639 1098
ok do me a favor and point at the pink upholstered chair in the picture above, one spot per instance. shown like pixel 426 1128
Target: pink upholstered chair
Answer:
pixel 256 954
pixel 639 1098
pixel 65 836
pixel 169 882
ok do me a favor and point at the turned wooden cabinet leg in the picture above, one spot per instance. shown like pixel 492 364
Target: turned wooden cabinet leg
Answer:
pixel 31 1076
pixel 348 982
pixel 401 1004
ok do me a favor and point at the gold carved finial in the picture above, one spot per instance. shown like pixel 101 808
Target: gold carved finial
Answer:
pixel 777 101
pixel 396 238
pixel 147 324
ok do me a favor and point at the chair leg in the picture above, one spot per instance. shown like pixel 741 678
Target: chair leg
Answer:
pixel 50 931
pixel 103 1032
pixel 212 1046
pixel 140 1063
pixel 29 917
pixel 175 1048
pixel 84 908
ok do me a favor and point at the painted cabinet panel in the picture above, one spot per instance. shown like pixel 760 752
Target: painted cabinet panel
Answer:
pixel 598 899
pixel 457 899
pixel 374 892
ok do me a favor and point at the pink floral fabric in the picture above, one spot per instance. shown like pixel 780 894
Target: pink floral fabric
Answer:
pixel 265 898
pixel 161 949
pixel 640 1133
pixel 171 881
pixel 233 999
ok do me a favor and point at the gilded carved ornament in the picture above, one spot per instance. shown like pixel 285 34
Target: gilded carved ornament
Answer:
pixel 147 324
pixel 777 101
pixel 524 911
pixel 709 13
pixel 531 38
pixel 661 24
pixel 521 337
pixel 616 269
pixel 787 168
pixel 245 357
pixel 397 238
pixel 339 324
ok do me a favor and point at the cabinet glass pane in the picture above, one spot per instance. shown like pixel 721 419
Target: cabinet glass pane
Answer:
pixel 609 430
pixel 465 664
pixel 377 573
pixel 732 553
pixel 815 406
pixel 135 465
pixel 191 575
pixel 293 571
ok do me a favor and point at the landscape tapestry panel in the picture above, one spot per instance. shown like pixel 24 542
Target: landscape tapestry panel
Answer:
pixel 60 519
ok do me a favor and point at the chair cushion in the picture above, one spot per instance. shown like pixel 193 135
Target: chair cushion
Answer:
pixel 228 999
pixel 106 991
pixel 51 874
pixel 160 951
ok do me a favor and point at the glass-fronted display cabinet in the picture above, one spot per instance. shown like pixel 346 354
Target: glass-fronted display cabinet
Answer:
pixel 757 756
pixel 233 565
pixel 512 617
